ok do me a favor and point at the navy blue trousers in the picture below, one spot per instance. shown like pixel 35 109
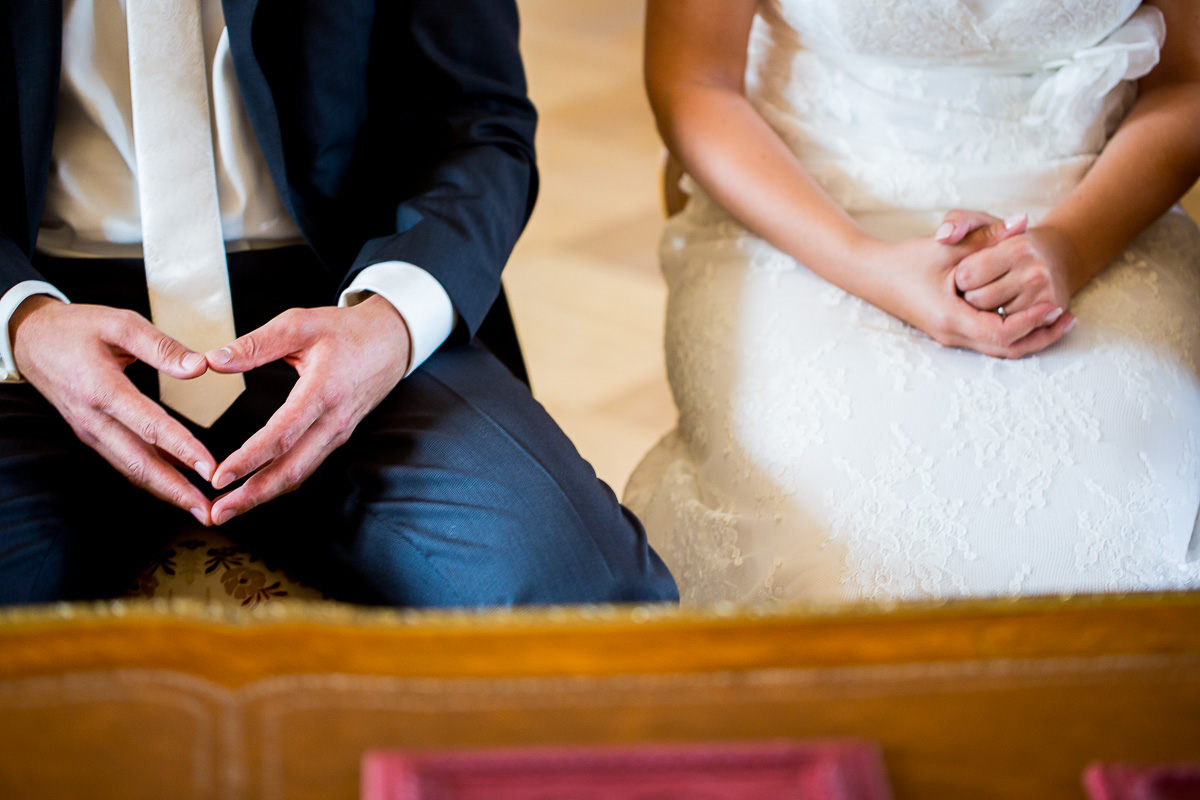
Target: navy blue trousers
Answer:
pixel 458 490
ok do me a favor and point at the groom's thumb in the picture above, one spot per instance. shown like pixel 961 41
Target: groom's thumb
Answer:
pixel 282 336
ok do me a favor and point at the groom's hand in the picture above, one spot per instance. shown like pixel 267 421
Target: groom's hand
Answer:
pixel 348 360
pixel 76 356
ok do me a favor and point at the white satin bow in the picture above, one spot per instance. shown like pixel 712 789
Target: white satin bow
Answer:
pixel 1067 102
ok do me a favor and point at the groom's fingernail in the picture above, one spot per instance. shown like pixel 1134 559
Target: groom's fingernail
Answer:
pixel 191 361
pixel 224 516
pixel 1015 220
pixel 1053 316
pixel 223 480
pixel 943 233
pixel 222 356
pixel 200 516
pixel 204 470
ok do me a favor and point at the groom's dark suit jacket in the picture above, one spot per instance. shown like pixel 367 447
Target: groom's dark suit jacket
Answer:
pixel 393 129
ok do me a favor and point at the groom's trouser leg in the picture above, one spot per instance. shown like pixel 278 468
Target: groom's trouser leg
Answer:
pixel 71 527
pixel 458 489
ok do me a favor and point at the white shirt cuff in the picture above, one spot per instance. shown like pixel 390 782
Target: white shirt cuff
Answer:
pixel 8 306
pixel 416 295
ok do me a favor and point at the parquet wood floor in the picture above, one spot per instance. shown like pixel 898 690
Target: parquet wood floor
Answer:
pixel 584 281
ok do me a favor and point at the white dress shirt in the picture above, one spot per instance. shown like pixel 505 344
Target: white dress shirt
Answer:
pixel 91 208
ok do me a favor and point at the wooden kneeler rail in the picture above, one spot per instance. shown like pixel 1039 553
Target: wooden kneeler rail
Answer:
pixel 973 699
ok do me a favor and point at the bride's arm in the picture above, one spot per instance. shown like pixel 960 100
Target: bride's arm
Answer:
pixel 695 66
pixel 1147 165
pixel 1150 162
pixel 695 63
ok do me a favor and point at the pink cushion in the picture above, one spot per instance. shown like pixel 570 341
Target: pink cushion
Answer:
pixel 1145 782
pixel 842 770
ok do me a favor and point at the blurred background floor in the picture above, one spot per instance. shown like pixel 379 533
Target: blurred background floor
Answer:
pixel 584 280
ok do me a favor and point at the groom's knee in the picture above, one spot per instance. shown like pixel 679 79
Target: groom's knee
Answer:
pixel 469 494
pixel 525 540
pixel 582 548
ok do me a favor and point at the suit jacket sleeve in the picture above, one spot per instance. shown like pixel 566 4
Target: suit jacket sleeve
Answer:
pixel 23 156
pixel 15 265
pixel 449 94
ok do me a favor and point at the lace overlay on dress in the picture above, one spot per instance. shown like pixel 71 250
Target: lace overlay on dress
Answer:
pixel 826 450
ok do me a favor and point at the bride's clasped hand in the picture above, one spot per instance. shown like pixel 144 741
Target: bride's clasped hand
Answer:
pixel 1029 271
pixel 979 283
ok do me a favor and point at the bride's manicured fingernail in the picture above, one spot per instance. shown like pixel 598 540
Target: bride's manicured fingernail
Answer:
pixel 1071 325
pixel 1053 315
pixel 1015 220
pixel 943 233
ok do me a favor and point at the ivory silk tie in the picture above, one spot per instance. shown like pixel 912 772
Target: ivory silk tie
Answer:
pixel 184 249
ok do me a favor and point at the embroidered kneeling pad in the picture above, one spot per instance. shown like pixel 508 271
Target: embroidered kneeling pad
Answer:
pixel 202 564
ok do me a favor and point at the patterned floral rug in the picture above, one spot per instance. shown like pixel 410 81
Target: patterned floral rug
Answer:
pixel 202 564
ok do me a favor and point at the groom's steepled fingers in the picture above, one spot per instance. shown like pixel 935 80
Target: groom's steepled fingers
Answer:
pixel 75 355
pixel 348 359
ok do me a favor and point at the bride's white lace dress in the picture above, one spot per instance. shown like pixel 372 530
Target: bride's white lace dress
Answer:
pixel 827 450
